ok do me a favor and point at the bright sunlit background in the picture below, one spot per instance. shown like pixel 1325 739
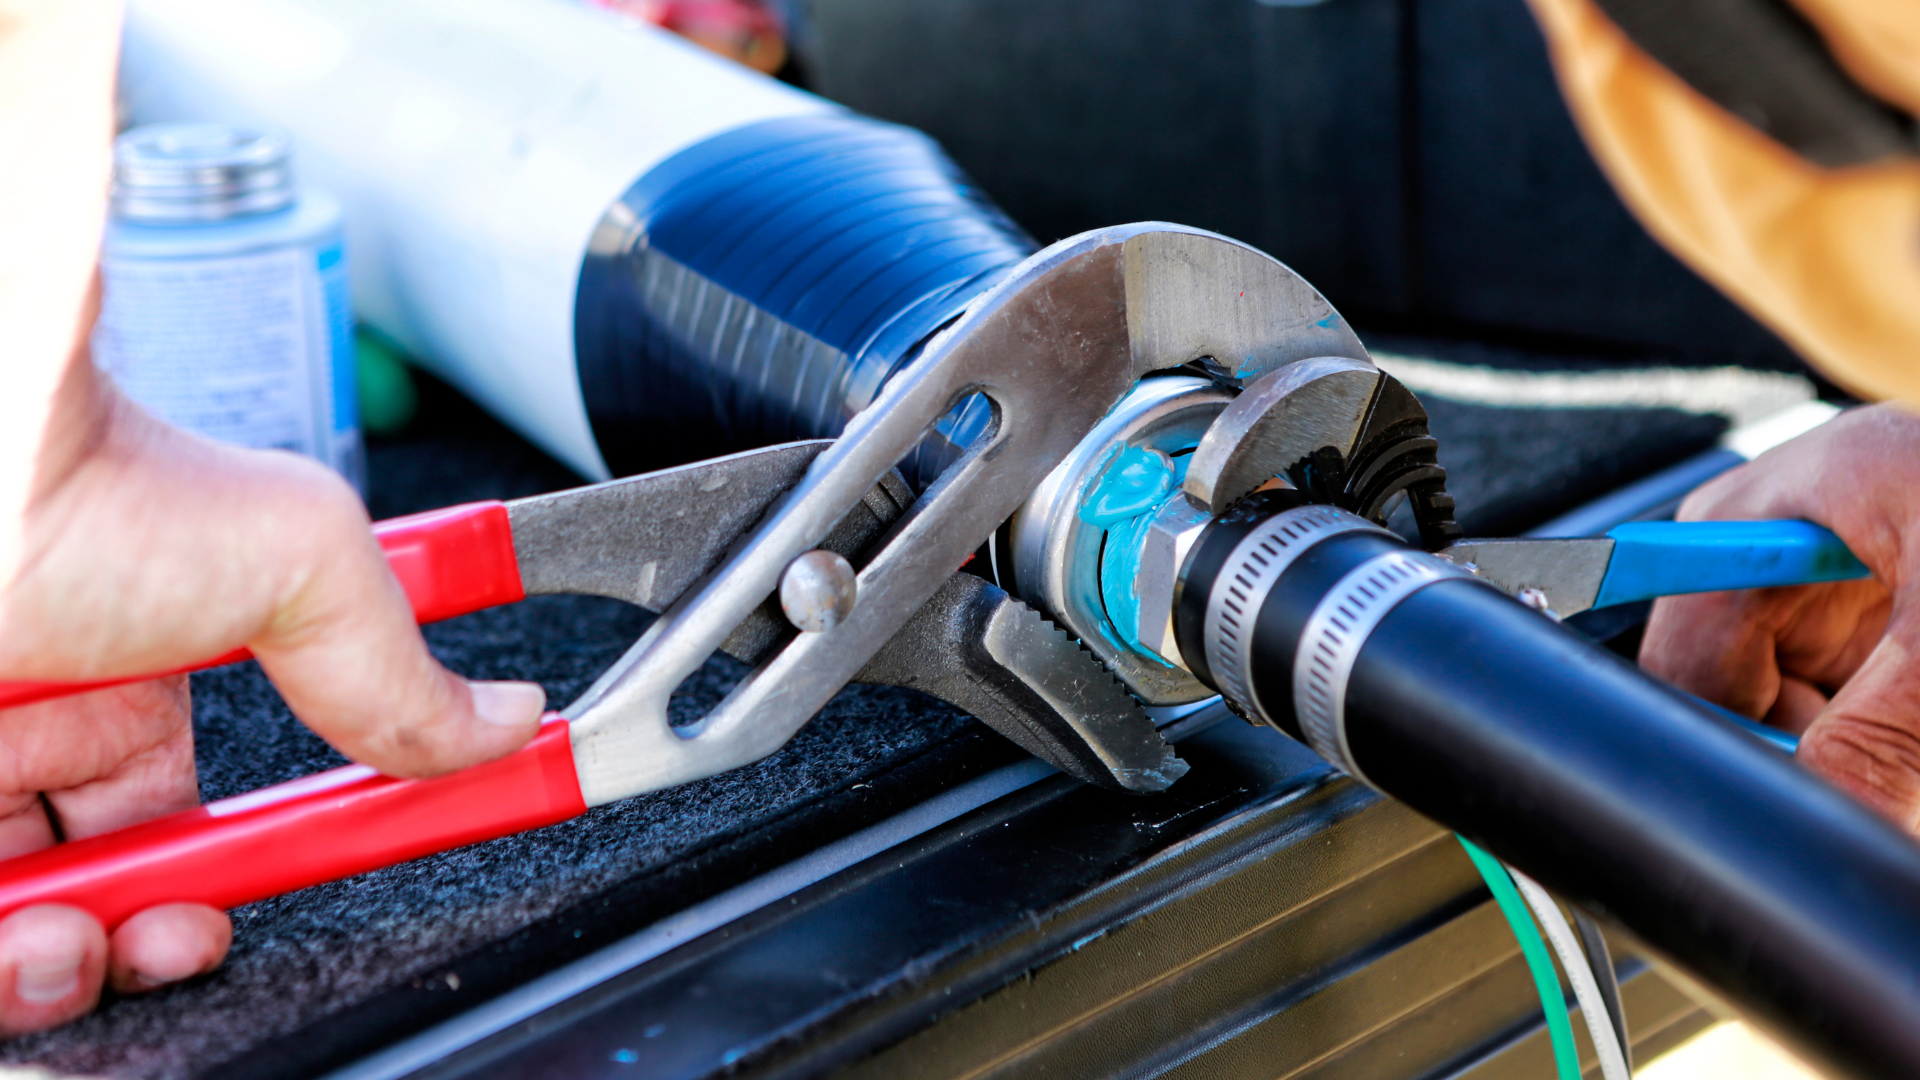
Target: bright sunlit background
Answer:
pixel 1731 1051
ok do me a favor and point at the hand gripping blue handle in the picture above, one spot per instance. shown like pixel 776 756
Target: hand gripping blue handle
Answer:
pixel 1667 558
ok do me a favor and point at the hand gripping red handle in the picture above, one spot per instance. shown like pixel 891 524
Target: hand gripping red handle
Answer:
pixel 315 829
pixel 450 562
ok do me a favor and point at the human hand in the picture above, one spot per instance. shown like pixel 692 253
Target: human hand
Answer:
pixel 1834 663
pixel 146 549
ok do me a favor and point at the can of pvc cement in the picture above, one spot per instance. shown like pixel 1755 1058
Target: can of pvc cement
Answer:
pixel 225 307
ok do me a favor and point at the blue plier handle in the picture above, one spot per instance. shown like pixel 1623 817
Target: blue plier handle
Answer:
pixel 1667 558
pixel 1643 560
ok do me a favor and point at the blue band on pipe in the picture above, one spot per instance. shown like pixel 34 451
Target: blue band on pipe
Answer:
pixel 762 284
pixel 1667 558
pixel 824 221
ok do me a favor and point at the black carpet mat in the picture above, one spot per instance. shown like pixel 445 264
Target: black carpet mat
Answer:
pixel 323 976
pixel 1511 469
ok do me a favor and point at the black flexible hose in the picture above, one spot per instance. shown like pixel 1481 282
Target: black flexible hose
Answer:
pixel 1616 791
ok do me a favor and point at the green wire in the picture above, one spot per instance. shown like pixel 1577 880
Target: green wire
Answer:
pixel 1552 1002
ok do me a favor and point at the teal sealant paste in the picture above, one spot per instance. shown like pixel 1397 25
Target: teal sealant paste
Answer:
pixel 1135 482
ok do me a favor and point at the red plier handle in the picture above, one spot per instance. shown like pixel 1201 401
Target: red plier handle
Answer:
pixel 307 831
pixel 333 824
pixel 450 562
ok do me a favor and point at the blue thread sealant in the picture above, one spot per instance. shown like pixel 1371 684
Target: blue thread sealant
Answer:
pixel 1135 480
pixel 1134 483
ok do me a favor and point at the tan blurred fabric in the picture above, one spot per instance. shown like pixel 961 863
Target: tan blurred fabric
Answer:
pixel 1830 259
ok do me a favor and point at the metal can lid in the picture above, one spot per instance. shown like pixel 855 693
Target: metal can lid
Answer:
pixel 184 173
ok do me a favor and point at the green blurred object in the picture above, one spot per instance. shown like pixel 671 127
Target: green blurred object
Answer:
pixel 386 395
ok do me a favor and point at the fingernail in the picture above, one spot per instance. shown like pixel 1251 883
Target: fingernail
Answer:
pixel 141 981
pixel 46 982
pixel 149 978
pixel 508 704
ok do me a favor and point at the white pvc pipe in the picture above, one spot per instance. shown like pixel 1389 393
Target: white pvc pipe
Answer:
pixel 474 143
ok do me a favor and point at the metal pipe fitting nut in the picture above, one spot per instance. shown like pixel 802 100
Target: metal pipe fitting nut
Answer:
pixel 1169 536
pixel 1057 553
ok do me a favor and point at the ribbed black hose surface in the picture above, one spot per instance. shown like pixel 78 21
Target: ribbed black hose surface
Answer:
pixel 1619 793
pixel 761 285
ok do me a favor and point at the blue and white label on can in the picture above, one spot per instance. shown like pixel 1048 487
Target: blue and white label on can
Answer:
pixel 252 349
pixel 343 396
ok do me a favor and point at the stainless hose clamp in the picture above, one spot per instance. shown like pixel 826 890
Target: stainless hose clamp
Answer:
pixel 1336 632
pixel 1250 571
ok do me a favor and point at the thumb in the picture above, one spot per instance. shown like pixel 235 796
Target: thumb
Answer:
pixel 1867 740
pixel 343 649
pixel 155 548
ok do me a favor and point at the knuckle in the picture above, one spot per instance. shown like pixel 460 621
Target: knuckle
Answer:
pixel 1881 757
pixel 1699 641
pixel 407 750
pixel 1726 495
pixel 314 504
pixel 1880 741
pixel 336 520
pixel 337 578
pixel 1704 500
